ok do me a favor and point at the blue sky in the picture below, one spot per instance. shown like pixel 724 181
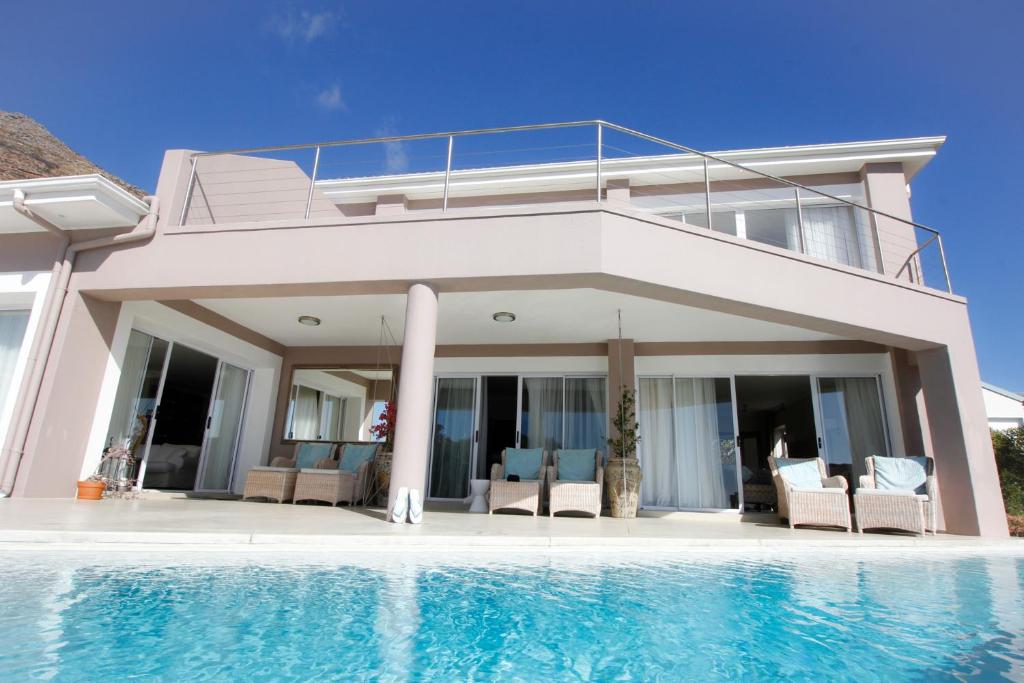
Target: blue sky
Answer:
pixel 122 82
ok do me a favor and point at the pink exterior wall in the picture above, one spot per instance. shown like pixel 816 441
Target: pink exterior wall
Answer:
pixel 886 188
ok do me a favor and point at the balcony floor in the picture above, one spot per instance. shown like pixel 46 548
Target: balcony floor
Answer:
pixel 178 521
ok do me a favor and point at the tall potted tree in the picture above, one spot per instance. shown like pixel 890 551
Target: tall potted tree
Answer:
pixel 622 476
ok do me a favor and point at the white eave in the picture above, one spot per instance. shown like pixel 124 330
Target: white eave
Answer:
pixel 1012 395
pixel 846 157
pixel 70 202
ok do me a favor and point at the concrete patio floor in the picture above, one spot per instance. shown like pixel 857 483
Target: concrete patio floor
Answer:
pixel 177 520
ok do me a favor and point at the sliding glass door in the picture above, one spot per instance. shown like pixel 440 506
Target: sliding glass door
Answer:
pixel 687 448
pixel 563 412
pixel 223 427
pixel 13 324
pixel 454 437
pixel 852 424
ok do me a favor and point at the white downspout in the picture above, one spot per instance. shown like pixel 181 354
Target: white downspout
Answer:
pixel 42 345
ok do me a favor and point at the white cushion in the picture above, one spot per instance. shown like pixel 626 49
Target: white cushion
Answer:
pixel 267 468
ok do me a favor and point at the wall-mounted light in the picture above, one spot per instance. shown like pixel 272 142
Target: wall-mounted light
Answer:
pixel 504 317
pixel 311 321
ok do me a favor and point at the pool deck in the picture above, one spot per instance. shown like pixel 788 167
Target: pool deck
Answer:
pixel 179 521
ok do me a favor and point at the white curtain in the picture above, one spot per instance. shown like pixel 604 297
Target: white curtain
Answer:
pixel 332 417
pixel 698 450
pixel 830 234
pixel 12 334
pixel 659 486
pixel 542 413
pixel 129 388
pixel 865 428
pixel 454 425
pixel 306 416
pixel 586 413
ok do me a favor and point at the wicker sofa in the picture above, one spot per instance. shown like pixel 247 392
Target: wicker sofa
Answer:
pixel 277 481
pixel 331 481
pixel 880 507
pixel 828 505
pixel 525 495
pixel 565 495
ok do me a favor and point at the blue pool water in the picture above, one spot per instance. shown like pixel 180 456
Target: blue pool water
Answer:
pixel 839 615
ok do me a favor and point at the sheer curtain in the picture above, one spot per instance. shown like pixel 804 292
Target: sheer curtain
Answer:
pixel 698 451
pixel 864 416
pixel 659 486
pixel 12 334
pixel 829 233
pixel 331 428
pixel 586 413
pixel 454 425
pixel 129 387
pixel 306 416
pixel 542 413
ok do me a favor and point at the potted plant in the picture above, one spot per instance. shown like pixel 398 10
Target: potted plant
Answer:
pixel 384 430
pixel 91 488
pixel 622 475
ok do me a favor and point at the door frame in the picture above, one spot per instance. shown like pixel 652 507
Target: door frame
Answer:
pixel 819 418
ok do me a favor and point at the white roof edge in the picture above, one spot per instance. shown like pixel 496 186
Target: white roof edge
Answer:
pixel 1003 392
pixel 94 181
pixel 915 148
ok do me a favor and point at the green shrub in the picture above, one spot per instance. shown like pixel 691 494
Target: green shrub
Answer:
pixel 1009 448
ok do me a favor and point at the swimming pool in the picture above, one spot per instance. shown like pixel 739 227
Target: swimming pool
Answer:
pixel 835 614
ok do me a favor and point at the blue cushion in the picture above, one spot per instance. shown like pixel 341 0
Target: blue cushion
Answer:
pixel 311 453
pixel 577 465
pixel 901 474
pixel 800 474
pixel 524 462
pixel 353 455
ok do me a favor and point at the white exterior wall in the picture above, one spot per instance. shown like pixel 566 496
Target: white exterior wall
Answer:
pixel 160 321
pixel 1003 412
pixel 21 291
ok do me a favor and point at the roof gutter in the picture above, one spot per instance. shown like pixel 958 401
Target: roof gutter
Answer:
pixel 42 343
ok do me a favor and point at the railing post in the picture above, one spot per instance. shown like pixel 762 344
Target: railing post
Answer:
pixel 188 192
pixel 800 221
pixel 945 268
pixel 448 172
pixel 312 180
pixel 707 192
pixel 600 145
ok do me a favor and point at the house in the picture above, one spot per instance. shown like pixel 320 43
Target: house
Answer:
pixel 1005 408
pixel 503 287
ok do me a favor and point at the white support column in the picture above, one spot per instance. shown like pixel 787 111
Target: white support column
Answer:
pixel 415 394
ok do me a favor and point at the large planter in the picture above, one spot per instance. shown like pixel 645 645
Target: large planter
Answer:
pixel 382 466
pixel 90 490
pixel 622 479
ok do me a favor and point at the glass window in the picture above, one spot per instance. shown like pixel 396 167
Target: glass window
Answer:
pixel 586 413
pixel 541 425
pixel 723 221
pixel 137 389
pixel 12 333
pixel 777 227
pixel 853 425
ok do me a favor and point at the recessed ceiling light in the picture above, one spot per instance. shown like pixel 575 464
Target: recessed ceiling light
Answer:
pixel 504 317
pixel 310 320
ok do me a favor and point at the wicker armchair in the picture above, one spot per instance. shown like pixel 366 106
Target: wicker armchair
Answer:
pixel 575 496
pixel 904 510
pixel 328 483
pixel 827 506
pixel 523 495
pixel 277 480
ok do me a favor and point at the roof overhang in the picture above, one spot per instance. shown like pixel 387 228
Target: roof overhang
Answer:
pixel 71 203
pixel 846 157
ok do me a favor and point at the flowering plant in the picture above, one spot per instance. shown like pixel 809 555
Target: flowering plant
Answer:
pixel 385 427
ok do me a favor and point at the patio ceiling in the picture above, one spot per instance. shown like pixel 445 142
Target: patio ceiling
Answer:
pixel 542 316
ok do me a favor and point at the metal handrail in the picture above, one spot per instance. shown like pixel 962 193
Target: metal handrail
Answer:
pixel 915 253
pixel 600 126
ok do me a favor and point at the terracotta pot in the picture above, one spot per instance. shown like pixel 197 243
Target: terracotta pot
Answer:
pixel 383 475
pixel 622 479
pixel 91 490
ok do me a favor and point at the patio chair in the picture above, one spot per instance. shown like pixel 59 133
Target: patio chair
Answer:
pixel 897 493
pixel 277 480
pixel 529 465
pixel 338 481
pixel 807 495
pixel 575 481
